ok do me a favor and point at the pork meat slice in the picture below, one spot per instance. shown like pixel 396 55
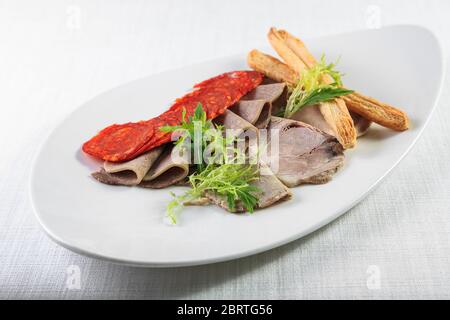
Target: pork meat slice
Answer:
pixel 306 154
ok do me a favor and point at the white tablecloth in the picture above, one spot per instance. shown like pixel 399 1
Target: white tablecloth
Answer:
pixel 54 55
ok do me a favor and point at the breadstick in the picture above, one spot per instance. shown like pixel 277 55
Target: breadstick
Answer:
pixel 378 112
pixel 335 112
pixel 344 127
pixel 298 47
pixel 370 108
pixel 291 59
pixel 279 71
pixel 271 67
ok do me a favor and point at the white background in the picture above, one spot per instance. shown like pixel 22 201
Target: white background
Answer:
pixel 55 55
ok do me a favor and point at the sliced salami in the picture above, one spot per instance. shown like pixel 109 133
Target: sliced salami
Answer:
pixel 122 142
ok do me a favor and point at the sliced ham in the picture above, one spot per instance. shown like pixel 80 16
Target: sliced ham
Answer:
pixel 306 154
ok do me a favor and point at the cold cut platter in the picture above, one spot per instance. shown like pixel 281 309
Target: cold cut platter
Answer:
pixel 239 155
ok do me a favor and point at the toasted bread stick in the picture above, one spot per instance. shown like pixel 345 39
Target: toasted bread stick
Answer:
pixel 376 111
pixel 337 116
pixel 279 71
pixel 298 47
pixel 271 67
pixel 370 108
pixel 288 56
pixel 335 112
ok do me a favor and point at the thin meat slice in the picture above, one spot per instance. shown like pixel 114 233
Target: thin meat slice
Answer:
pixel 221 201
pixel 271 191
pixel 312 115
pixel 128 173
pixel 231 120
pixel 266 92
pixel 362 125
pixel 306 154
pixel 240 128
pixel 154 169
pixel 123 142
pixel 256 106
pixel 170 168
pixel 276 94
pixel 256 112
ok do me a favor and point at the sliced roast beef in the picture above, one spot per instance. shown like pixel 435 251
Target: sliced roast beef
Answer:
pixel 154 169
pixel 256 107
pixel 129 173
pixel 305 154
pixel 275 94
pixel 256 112
pixel 271 191
pixel 231 120
pixel 243 130
pixel 312 116
pixel 266 92
pixel 171 168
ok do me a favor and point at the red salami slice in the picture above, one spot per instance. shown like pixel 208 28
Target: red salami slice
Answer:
pixel 122 142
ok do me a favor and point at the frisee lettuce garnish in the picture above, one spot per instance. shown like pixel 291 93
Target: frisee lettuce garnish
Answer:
pixel 196 123
pixel 224 173
pixel 231 181
pixel 311 88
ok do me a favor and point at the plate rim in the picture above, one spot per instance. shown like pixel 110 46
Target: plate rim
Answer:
pixel 167 264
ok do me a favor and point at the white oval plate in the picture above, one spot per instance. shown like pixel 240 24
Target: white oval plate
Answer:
pixel 401 65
